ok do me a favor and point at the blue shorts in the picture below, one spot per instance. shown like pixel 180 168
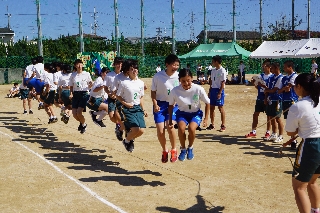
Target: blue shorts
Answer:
pixel 213 97
pixel 189 117
pixel 163 114
pixel 37 84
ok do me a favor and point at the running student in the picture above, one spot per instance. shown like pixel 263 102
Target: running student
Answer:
pixel 64 92
pixel 80 83
pixel 274 103
pixel 96 100
pixel 260 106
pixel 108 86
pixel 216 92
pixel 49 94
pixel 188 97
pixel 57 75
pixel 162 84
pixel 304 119
pixel 130 93
pixel 289 96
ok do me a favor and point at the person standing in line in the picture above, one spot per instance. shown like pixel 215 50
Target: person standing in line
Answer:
pixel 162 84
pixel 314 67
pixel 242 73
pixel 304 119
pixel 80 83
pixel 158 69
pixel 216 92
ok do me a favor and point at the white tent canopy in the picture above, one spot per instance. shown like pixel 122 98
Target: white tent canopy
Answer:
pixel 304 48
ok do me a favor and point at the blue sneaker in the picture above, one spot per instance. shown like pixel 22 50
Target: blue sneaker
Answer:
pixel 190 154
pixel 182 155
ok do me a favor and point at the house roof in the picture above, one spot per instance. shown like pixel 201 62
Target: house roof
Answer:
pixel 6 30
pixel 228 35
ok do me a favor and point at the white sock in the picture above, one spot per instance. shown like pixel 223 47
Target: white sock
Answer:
pixel 268 131
pixel 280 136
pixel 51 117
pixel 126 141
pixel 315 210
pixel 103 114
pixel 254 131
pixel 84 124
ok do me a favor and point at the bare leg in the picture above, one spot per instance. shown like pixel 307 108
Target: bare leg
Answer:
pixel 314 192
pixel 172 135
pixel 212 108
pixel 223 115
pixel 161 135
pixel 182 134
pixel 301 196
pixel 192 133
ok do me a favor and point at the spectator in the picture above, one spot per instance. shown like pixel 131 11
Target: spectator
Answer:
pixel 14 91
pixel 314 67
pixel 209 71
pixel 234 79
pixel 202 79
pixel 241 73
pixel 158 69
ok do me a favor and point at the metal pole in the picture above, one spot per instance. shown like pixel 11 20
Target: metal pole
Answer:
pixel 205 37
pixel 234 21
pixel 80 26
pixel 40 47
pixel 308 18
pixel 261 21
pixel 293 36
pixel 142 29
pixel 116 16
pixel 173 29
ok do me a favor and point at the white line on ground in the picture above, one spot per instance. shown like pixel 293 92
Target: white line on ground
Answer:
pixel 94 194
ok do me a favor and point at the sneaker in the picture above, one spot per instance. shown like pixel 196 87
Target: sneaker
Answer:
pixel 293 145
pixel 198 128
pixel 267 135
pixel 222 128
pixel 54 120
pixel 93 116
pixel 119 133
pixel 278 140
pixel 30 112
pixel 272 137
pixel 182 155
pixel 210 127
pixel 50 120
pixel 190 153
pixel 40 106
pixel 62 112
pixel 251 135
pixel 25 112
pixel 174 156
pixel 129 146
pixel 164 158
pixel 80 127
pixel 66 119
pixel 83 129
pixel 100 123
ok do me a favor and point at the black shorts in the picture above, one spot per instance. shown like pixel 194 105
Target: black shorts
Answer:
pixel 50 97
pixel 24 93
pixel 260 106
pixel 286 105
pixel 274 109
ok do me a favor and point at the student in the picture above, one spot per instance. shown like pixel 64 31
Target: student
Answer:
pixel 96 100
pixel 162 84
pixel 216 92
pixel 64 92
pixel 209 71
pixel 108 86
pixel 304 119
pixel 80 83
pixel 260 106
pixel 234 79
pixel 202 79
pixel 14 91
pixel 188 96
pixel 241 73
pixel 199 70
pixel 130 93
pixel 57 75
pixel 158 69
pixel 274 103
pixel 24 95
pixel 289 96
pixel 49 94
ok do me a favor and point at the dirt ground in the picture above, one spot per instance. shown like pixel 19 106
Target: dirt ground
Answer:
pixel 54 168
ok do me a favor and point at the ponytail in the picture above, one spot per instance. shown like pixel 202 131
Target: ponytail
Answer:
pixel 311 85
pixel 315 91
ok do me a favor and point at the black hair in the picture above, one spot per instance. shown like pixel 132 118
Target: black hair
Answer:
pixel 39 59
pixel 117 60
pixel 105 69
pixel 276 65
pixel 217 58
pixel 128 63
pixel 77 61
pixel 185 72
pixel 172 58
pixel 15 84
pixel 289 63
pixel 34 61
pixel 66 68
pixel 241 61
pixel 310 84
pixel 57 64
pixel 267 61
pixel 52 68
pixel 47 66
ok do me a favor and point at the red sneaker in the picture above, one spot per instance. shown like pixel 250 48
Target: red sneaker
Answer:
pixel 267 135
pixel 174 156
pixel 222 128
pixel 251 135
pixel 164 157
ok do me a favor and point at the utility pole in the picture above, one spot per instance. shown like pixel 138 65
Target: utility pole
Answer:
pixel 142 29
pixel 8 15
pixel 95 24
pixel 260 27
pixel 293 34
pixel 192 38
pixel 205 37
pixel 234 21
pixel 116 21
pixel 159 31
pixel 173 29
pixel 40 47
pixel 308 18
pixel 80 26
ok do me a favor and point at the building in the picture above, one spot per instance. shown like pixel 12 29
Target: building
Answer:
pixel 227 36
pixel 6 35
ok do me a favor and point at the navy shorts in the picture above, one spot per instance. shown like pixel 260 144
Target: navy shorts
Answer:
pixel 79 99
pixel 24 93
pixel 260 106
pixel 50 97
pixel 163 114
pixel 214 101
pixel 189 117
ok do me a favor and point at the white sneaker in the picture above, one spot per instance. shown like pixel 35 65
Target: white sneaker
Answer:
pixel 278 140
pixel 272 137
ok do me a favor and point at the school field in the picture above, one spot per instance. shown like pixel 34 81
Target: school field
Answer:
pixel 53 168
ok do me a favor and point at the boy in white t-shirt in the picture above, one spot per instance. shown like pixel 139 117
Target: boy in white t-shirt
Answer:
pixel 49 92
pixel 13 91
pixel 158 69
pixel 202 79
pixel 314 67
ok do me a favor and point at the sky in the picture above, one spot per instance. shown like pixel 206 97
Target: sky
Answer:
pixel 60 17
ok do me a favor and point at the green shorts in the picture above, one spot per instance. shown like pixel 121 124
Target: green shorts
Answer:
pixel 50 97
pixel 111 105
pixel 286 105
pixel 274 109
pixel 307 162
pixel 80 99
pixel 24 93
pixel 133 117
pixel 260 106
pixel 65 97
pixel 94 103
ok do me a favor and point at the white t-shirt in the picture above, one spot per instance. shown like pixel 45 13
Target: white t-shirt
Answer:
pixel 97 83
pixel 314 68
pixel 56 76
pixel 209 68
pixel 241 67
pixel 22 87
pixel 29 70
pixel 13 89
pixel 202 78
pixel 49 81
pixel 305 117
pixel 188 100
pixel 279 83
pixel 217 76
pixel 162 84
pixel 80 82
pixel 109 79
pixel 39 69
pixel 117 81
pixel 158 69
pixel 64 80
pixel 131 91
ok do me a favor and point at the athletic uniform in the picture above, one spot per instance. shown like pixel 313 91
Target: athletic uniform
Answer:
pixel 306 118
pixel 288 98
pixel 217 76
pixel 162 84
pixel 96 98
pixel 63 82
pixel 56 76
pixel 49 99
pixel 28 72
pixel 79 82
pixel 108 82
pixel 24 92
pixel 115 86
pixel 260 106
pixel 274 106
pixel 38 81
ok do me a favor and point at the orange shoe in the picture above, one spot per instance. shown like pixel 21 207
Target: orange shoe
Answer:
pixel 164 158
pixel 173 156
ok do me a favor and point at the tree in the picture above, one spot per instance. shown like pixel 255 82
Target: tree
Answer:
pixel 281 30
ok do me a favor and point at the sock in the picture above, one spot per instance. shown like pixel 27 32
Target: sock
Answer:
pixel 165 150
pixel 313 210
pixel 96 113
pixel 84 124
pixel 54 117
pixel 103 114
pixel 41 103
pixel 30 109
pixel 280 136
pixel 254 131
pixel 190 147
pixel 126 141
pixel 51 117
pixel 268 131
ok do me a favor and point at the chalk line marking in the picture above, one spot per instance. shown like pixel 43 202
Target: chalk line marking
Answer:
pixel 68 176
